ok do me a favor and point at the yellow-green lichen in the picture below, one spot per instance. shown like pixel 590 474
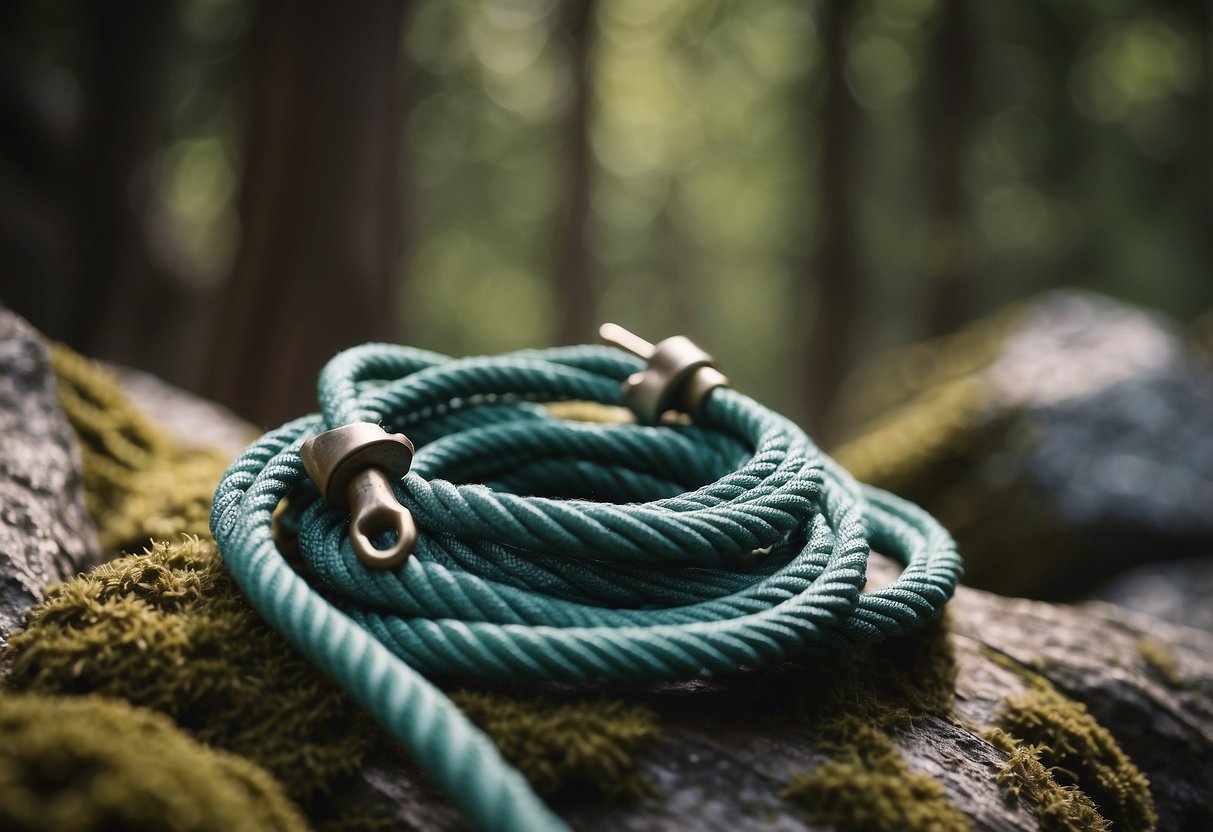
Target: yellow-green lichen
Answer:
pixel 139 485
pixel 866 786
pixel 1080 757
pixel 1081 752
pixel 1059 808
pixel 1161 662
pixel 892 684
pixel 872 693
pixel 167 629
pixel 571 747
pixel 1025 668
pixel 85 764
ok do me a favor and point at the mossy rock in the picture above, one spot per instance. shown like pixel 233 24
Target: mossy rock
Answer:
pixel 873 696
pixel 139 484
pixel 567 749
pixel 1059 441
pixel 85 763
pixel 167 629
pixel 866 786
pixel 1079 752
pixel 808 742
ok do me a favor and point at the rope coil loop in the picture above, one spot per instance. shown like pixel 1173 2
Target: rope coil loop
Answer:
pixel 550 549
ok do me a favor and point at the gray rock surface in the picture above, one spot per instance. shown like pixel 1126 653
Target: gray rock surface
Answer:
pixel 1158 703
pixel 1180 592
pixel 1060 442
pixel 45 534
pixel 727 746
pixel 191 420
pixel 1121 409
pixel 721 761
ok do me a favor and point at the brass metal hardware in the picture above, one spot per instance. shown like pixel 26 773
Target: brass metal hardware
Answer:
pixel 679 376
pixel 353 467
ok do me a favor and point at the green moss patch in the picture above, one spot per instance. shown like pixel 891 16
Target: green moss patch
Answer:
pixel 1059 808
pixel 79 764
pixel 1159 660
pixel 168 630
pixel 866 786
pixel 855 701
pixel 891 685
pixel 1078 751
pixel 139 485
pixel 565 748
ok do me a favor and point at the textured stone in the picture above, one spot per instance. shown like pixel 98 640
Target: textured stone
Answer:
pixel 45 534
pixel 192 421
pixel 728 746
pixel 1179 592
pixel 1060 442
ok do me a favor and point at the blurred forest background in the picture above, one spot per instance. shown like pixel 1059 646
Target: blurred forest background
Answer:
pixel 225 193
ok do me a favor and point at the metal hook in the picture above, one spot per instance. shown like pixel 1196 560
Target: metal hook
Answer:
pixel 679 376
pixel 374 511
pixel 626 340
pixel 352 466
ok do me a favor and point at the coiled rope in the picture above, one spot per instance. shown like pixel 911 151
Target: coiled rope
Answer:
pixel 552 549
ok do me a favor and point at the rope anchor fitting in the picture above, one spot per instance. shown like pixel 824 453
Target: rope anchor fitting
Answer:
pixel 679 376
pixel 353 467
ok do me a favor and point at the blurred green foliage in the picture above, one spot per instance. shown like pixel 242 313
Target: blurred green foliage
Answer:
pixel 1085 162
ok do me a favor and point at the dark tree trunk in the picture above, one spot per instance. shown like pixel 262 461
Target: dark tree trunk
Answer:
pixel 833 283
pixel 126 62
pixel 320 226
pixel 948 270
pixel 574 265
pixel 1203 16
pixel 94 265
pixel 36 154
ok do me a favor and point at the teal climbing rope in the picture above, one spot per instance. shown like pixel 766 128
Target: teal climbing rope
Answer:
pixel 552 549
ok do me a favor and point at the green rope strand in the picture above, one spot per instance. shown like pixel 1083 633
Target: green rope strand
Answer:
pixel 560 550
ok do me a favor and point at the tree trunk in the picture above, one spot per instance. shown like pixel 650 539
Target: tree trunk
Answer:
pixel 948 278
pixel 833 285
pixel 94 263
pixel 320 241
pixel 574 265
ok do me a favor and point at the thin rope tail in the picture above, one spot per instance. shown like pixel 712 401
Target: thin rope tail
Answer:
pixel 553 549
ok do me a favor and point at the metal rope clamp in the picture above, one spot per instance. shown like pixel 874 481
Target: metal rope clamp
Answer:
pixel 679 376
pixel 353 466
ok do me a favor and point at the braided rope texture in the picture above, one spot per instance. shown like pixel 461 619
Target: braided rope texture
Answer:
pixel 552 549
